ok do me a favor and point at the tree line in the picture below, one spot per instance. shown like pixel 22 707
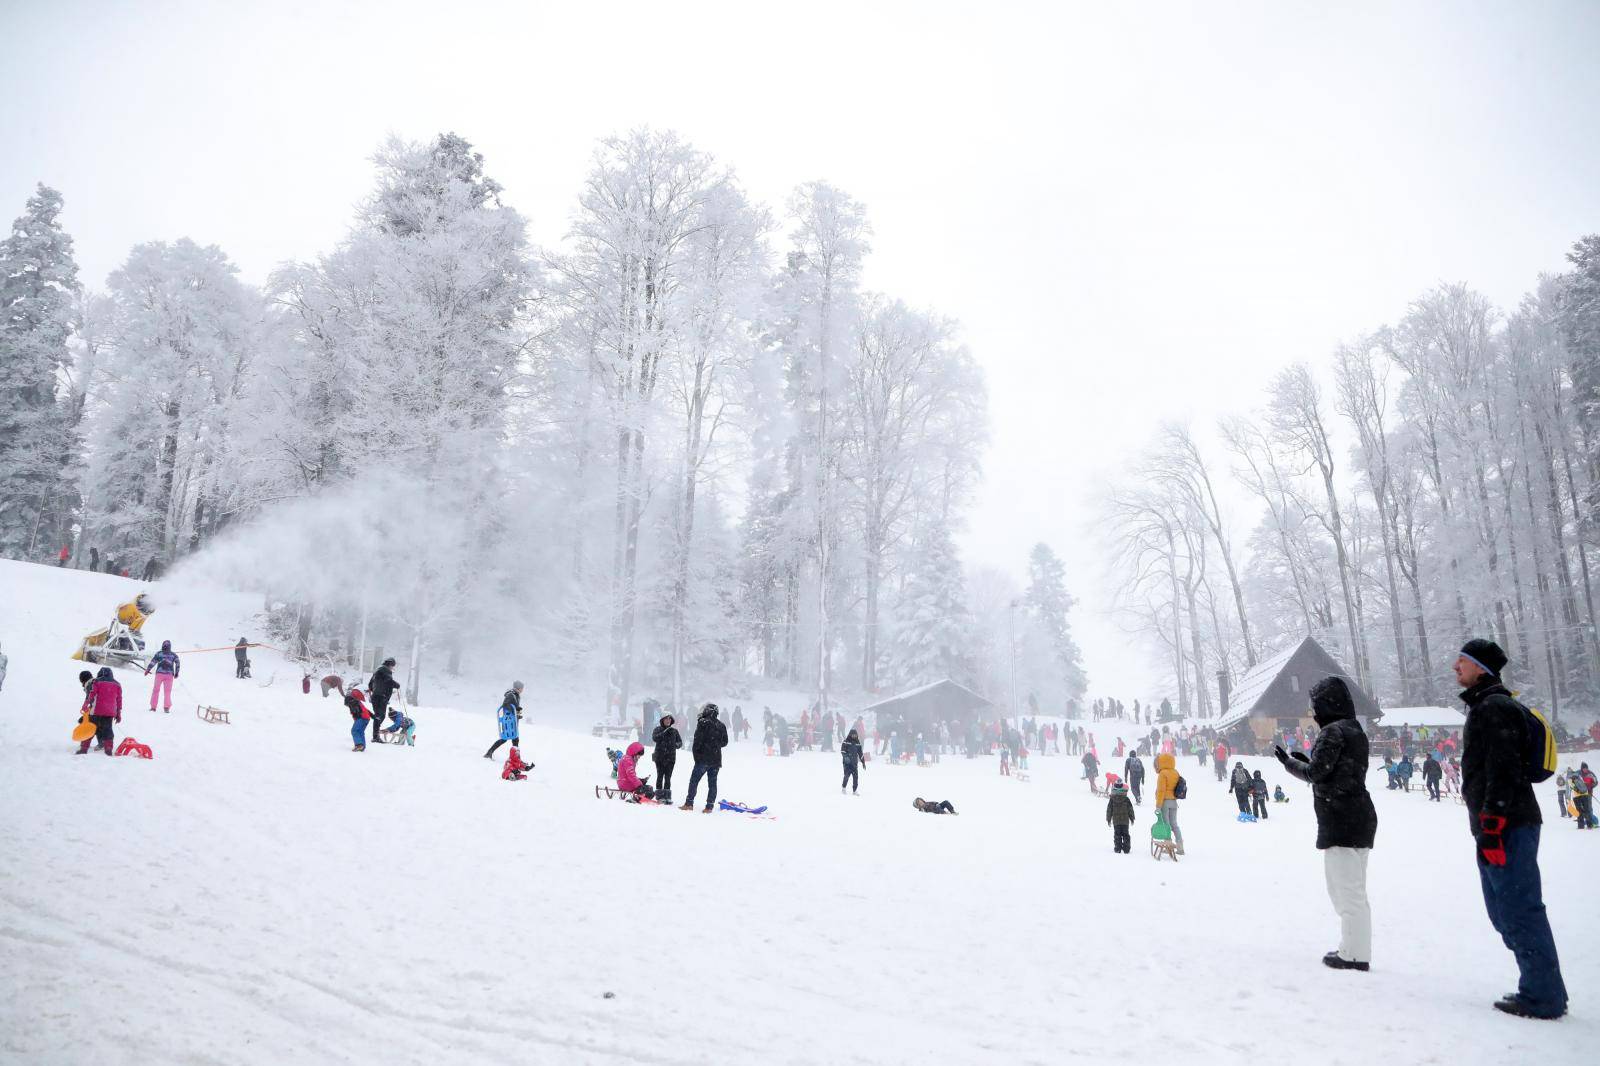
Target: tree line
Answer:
pixel 1436 478
pixel 683 445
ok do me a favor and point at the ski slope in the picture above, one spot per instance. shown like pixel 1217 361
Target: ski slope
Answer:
pixel 260 894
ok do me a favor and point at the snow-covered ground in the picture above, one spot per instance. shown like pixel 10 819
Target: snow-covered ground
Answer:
pixel 259 894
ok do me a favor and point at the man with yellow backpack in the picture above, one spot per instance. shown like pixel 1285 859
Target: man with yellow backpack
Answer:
pixel 1508 748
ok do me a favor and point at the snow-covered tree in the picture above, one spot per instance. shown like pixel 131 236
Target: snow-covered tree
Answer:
pixel 38 448
pixel 1048 656
pixel 932 634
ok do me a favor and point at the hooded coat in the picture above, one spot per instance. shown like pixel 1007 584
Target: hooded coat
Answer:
pixel 710 737
pixel 667 740
pixel 1166 777
pixel 1337 770
pixel 627 775
pixel 850 751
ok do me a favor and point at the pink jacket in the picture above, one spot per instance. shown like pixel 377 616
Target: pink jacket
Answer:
pixel 105 698
pixel 627 777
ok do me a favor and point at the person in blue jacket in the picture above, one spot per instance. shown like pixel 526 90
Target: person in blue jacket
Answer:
pixel 510 720
pixel 165 664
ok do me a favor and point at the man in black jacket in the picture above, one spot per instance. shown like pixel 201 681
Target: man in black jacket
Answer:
pixel 380 688
pixel 1347 823
pixel 1133 770
pixel 667 742
pixel 1505 822
pixel 710 737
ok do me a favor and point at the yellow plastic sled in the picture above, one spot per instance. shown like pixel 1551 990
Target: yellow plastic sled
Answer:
pixel 83 730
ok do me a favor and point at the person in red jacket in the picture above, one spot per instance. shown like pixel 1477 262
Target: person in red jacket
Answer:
pixel 1219 758
pixel 66 553
pixel 105 706
pixel 515 767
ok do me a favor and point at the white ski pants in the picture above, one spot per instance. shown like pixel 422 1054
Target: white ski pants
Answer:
pixel 1346 870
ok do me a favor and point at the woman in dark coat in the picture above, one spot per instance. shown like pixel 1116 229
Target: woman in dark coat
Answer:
pixel 667 741
pixel 1347 823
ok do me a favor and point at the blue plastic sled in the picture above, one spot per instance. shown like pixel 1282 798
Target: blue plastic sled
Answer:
pixel 1247 817
pixel 739 808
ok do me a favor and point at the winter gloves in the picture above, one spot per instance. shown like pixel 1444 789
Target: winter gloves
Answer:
pixel 1490 845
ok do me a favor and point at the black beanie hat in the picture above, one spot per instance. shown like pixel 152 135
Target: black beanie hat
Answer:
pixel 1487 654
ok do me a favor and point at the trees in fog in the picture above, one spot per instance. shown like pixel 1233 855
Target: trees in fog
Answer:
pixel 1435 478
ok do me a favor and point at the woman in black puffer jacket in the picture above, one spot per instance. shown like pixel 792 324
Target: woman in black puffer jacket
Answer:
pixel 1347 823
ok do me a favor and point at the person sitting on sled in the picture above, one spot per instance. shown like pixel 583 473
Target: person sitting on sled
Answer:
pixel 930 807
pixel 515 767
pixel 403 725
pixel 1277 794
pixel 628 774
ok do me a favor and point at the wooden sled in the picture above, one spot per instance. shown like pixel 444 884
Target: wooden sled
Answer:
pixel 215 715
pixel 626 797
pixel 1159 848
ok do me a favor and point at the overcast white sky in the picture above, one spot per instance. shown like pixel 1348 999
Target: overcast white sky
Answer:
pixel 1138 210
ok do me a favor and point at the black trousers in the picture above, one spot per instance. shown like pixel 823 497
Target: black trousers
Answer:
pixel 852 776
pixel 516 742
pixel 1134 785
pixel 380 712
pixel 1120 841
pixel 1258 805
pixel 664 773
pixel 1243 796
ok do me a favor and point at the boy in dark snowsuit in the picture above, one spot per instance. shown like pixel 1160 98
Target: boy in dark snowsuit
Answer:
pixel 1258 795
pixel 850 751
pixel 930 807
pixel 1119 816
pixel 241 658
pixel 667 740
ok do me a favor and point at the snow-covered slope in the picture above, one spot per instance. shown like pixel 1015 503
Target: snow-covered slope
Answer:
pixel 260 894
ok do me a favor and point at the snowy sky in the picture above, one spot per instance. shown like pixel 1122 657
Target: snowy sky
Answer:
pixel 1138 210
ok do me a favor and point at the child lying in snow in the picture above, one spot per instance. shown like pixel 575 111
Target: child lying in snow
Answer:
pixel 514 767
pixel 929 807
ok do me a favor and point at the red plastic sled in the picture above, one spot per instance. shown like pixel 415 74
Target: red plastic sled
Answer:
pixel 129 746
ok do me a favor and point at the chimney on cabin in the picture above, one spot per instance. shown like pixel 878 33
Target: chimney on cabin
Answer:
pixel 1224 690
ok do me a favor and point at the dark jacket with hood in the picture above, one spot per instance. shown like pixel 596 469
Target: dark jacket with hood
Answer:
pixel 667 741
pixel 710 737
pixel 1133 770
pixel 1337 770
pixel 1493 779
pixel 381 686
pixel 1240 778
pixel 850 749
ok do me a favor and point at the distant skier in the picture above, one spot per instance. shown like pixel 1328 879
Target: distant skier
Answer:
pixel 165 664
pixel 381 686
pixel 667 741
pixel 930 807
pixel 1240 783
pixel 850 751
pixel 1119 816
pixel 710 737
pixel 510 718
pixel 104 702
pixel 241 658
pixel 356 704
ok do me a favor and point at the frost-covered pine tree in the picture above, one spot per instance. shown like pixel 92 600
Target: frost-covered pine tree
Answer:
pixel 932 627
pixel 1051 661
pixel 38 280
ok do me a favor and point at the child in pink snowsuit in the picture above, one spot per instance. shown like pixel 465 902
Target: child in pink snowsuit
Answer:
pixel 628 774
